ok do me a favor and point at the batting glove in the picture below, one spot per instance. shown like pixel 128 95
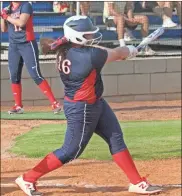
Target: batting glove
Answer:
pixel 133 51
pixel 4 14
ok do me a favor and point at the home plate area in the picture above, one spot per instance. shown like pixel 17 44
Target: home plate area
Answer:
pixel 91 177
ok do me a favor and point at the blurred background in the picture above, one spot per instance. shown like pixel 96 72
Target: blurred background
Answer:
pixel 49 17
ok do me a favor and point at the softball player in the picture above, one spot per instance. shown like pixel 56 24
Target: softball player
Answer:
pixel 86 111
pixel 17 20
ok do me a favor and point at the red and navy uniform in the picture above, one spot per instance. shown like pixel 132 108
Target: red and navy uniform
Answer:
pixel 23 34
pixel 85 109
pixel 23 47
pixel 84 82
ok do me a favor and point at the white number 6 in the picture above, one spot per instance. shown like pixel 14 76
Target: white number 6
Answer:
pixel 17 28
pixel 65 66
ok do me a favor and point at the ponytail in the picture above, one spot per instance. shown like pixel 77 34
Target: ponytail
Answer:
pixel 59 47
pixel 47 45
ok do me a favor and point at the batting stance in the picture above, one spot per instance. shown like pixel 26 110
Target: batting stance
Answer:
pixel 80 66
pixel 17 20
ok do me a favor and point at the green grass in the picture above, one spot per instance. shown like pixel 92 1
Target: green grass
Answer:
pixel 145 140
pixel 33 116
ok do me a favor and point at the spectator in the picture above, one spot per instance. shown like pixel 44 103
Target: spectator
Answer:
pixel 164 10
pixel 72 7
pixel 120 15
pixel 60 7
pixel 85 8
pixel 177 5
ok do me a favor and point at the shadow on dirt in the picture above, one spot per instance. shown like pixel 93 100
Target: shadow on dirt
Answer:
pixel 6 180
pixel 72 164
pixel 108 189
pixel 68 189
pixel 146 108
pixel 8 190
pixel 78 189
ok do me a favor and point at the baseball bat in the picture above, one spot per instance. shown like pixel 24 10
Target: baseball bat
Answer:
pixel 153 36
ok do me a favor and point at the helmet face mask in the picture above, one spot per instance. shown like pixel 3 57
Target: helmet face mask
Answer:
pixel 80 30
pixel 93 39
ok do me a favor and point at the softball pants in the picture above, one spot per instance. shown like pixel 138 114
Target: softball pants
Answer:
pixel 83 120
pixel 21 53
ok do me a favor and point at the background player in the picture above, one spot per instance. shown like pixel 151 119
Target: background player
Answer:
pixel 17 19
pixel 86 111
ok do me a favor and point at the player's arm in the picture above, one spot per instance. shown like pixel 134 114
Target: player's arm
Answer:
pixel 26 12
pixel 4 25
pixel 119 53
pixel 20 22
pixel 101 55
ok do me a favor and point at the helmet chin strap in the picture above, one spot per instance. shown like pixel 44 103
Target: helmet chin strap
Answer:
pixel 95 41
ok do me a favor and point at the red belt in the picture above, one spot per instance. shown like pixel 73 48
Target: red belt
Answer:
pixel 74 101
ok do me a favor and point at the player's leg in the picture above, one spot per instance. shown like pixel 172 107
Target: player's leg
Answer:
pixel 15 65
pixel 30 54
pixel 82 119
pixel 109 129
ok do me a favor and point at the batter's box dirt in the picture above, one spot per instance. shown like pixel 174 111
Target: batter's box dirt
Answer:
pixel 91 178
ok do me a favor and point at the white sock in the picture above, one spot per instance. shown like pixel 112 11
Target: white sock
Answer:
pixel 122 42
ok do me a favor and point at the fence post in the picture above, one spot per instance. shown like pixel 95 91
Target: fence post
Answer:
pixel 1 5
pixel 77 8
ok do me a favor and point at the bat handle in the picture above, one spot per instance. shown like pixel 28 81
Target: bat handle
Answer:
pixel 140 47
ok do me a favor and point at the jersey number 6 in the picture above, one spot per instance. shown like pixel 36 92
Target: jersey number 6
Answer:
pixel 64 66
pixel 17 28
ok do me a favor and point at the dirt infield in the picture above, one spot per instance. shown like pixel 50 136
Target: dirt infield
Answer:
pixel 91 178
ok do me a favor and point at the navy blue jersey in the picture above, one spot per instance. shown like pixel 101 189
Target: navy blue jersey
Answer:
pixel 81 73
pixel 26 33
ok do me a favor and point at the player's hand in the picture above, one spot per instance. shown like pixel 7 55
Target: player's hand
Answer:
pixel 4 14
pixel 132 51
